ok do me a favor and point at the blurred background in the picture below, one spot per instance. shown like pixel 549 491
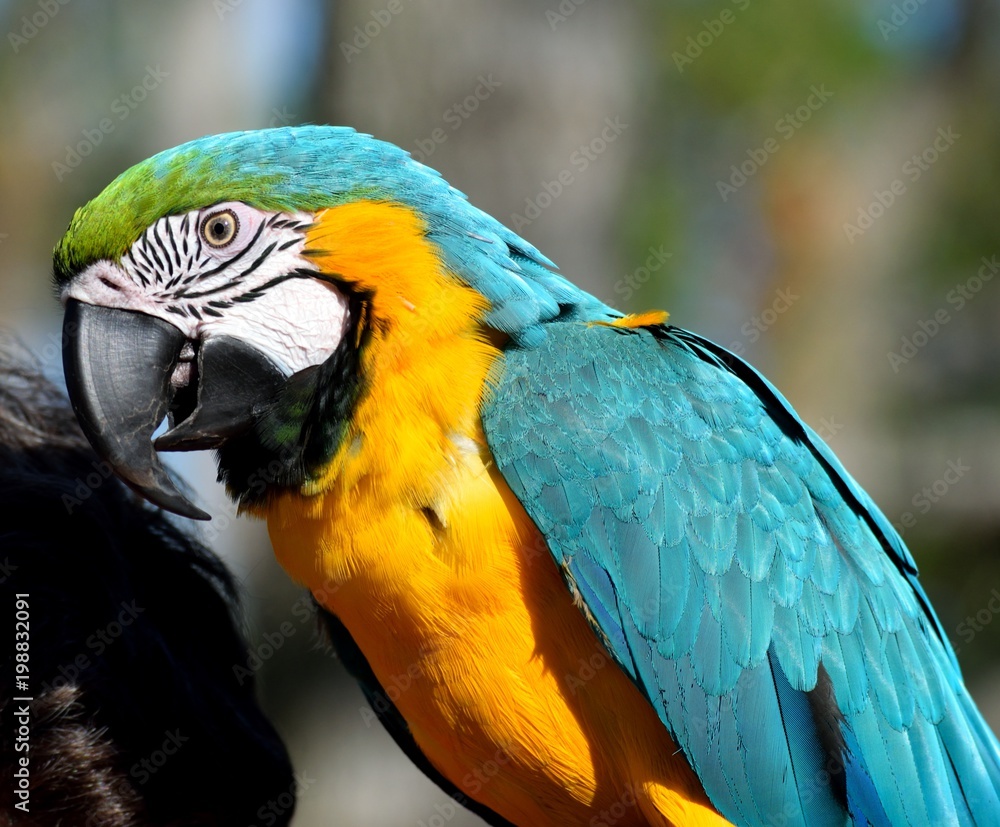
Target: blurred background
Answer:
pixel 814 186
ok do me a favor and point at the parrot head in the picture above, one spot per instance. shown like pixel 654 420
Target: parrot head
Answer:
pixel 240 286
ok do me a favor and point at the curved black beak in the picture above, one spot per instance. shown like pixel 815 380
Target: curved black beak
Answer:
pixel 118 365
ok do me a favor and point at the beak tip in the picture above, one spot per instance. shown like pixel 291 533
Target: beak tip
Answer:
pixel 117 366
pixel 174 502
pixel 184 508
pixel 156 486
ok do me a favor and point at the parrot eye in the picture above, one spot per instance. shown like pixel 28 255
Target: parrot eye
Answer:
pixel 219 229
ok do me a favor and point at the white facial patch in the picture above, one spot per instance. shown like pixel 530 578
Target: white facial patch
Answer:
pixel 298 323
pixel 231 270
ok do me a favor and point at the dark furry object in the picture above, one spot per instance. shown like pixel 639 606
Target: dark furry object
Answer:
pixel 137 718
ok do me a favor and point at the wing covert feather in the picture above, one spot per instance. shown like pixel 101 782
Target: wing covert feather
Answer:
pixel 731 564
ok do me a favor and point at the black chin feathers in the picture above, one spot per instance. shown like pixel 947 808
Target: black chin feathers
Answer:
pixel 297 432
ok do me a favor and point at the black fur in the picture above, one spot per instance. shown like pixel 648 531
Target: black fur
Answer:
pixel 95 560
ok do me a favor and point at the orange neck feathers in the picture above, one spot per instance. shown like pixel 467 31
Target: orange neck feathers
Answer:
pixel 413 539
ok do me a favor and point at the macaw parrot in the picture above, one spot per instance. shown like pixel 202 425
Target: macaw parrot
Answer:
pixel 591 568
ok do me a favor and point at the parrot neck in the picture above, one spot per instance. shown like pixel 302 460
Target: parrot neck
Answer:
pixel 412 446
pixel 412 538
pixel 423 354
pixel 401 391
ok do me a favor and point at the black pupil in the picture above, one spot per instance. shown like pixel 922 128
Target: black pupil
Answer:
pixel 219 228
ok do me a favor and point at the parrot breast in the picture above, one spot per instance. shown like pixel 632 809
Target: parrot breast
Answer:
pixel 414 541
pixel 474 635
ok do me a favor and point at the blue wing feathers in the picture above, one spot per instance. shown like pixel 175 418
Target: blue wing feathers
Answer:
pixel 809 793
pixel 730 562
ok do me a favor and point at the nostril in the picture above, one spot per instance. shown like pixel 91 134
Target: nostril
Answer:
pixel 181 377
pixel 184 381
pixel 184 369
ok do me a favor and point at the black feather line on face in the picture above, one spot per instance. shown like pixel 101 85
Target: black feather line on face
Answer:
pixel 172 264
pixel 173 246
pixel 161 245
pixel 259 260
pixel 145 263
pixel 231 261
pixel 298 432
pixel 149 249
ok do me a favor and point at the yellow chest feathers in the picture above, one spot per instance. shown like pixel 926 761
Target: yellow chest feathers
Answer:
pixel 414 541
pixel 464 617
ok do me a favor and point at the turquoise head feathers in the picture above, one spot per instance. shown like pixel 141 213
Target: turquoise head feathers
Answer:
pixel 310 168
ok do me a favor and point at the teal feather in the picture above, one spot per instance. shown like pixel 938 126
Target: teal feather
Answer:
pixel 773 566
